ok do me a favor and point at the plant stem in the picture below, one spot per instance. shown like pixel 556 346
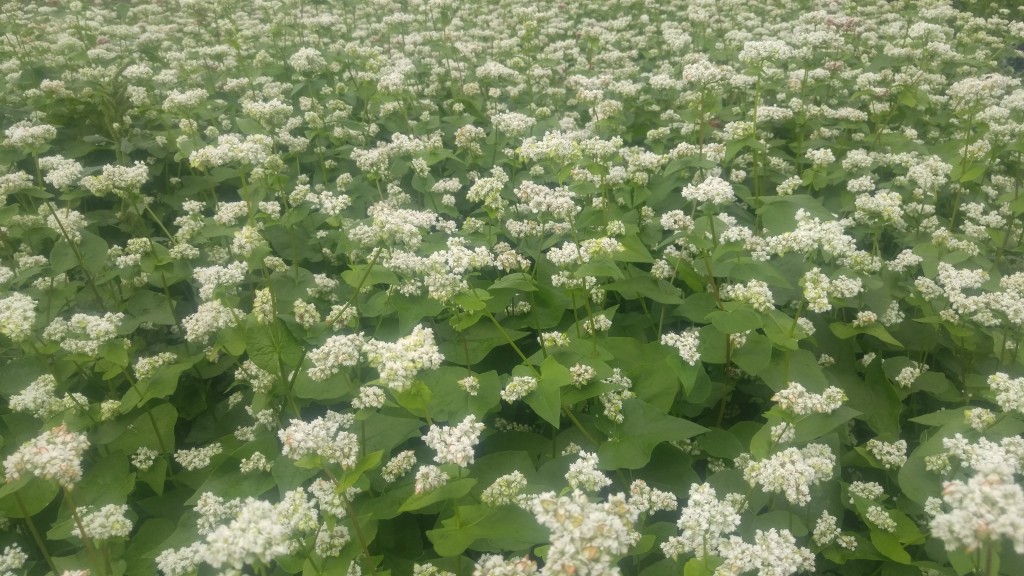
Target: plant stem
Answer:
pixel 35 533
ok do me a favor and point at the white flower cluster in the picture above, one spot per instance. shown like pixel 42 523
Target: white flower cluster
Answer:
pixel 255 532
pixel 399 362
pixel 17 316
pixel 686 343
pixel 454 444
pixel 40 399
pixel 1009 391
pixel 210 318
pixel 890 454
pixel 64 221
pixel 212 277
pixel 11 561
pixel 586 537
pixel 494 565
pixel 197 458
pixel 60 172
pixel 986 508
pixel 326 436
pixel 504 490
pixel 756 293
pixel 110 521
pixel 518 387
pixel 796 399
pixel 27 135
pixel 53 455
pixel 336 352
pixel 584 475
pixel 622 389
pixel 792 471
pixel 704 523
pixel 773 553
pixel 399 465
pixel 1005 457
pixel 645 499
pixel 122 181
pixel 252 150
pixel 83 333
pixel 429 478
pixel 713 190
pixel 826 531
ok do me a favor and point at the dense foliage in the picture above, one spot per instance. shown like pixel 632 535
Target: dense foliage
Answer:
pixel 516 287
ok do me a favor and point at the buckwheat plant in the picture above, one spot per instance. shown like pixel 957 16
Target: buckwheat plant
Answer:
pixel 512 287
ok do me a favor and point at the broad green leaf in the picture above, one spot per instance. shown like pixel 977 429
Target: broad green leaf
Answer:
pixel 452 490
pixel 643 428
pixel 480 527
pixel 889 546
pixel 152 307
pixel 34 496
pixel 739 319
pixel 269 346
pixel 546 399
pixel 846 331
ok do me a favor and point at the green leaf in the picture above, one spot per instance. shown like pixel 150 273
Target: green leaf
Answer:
pixel 845 331
pixel 519 281
pixel 546 400
pixel 889 546
pixel 451 490
pixel 267 344
pixel 35 495
pixel 160 385
pixel 152 307
pixel 814 426
pixel 740 319
pixel 643 428
pixel 754 356
pixel 479 527
pixel 600 267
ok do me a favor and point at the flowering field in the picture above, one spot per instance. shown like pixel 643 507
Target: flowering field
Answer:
pixel 442 288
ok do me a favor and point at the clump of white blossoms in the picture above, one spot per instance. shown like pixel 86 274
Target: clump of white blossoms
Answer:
pixel 400 362
pixel 110 521
pixel 53 455
pixel 685 343
pixel 17 316
pixel 326 437
pixel 584 475
pixel 399 465
pixel 792 471
pixel 986 508
pixel 337 352
pixel 253 532
pixel 430 478
pixel 713 190
pixel 84 333
pixel 210 318
pixel 1009 391
pixel 198 458
pixel 890 454
pixel 494 565
pixel 704 523
pixel 122 181
pixel 504 490
pixel 796 399
pixel 646 499
pixel 454 444
pixel 518 388
pixel 11 560
pixel 40 399
pixel 756 293
pixel 586 537
pixel 773 553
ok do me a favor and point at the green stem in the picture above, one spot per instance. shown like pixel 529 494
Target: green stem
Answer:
pixel 89 547
pixel 35 533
